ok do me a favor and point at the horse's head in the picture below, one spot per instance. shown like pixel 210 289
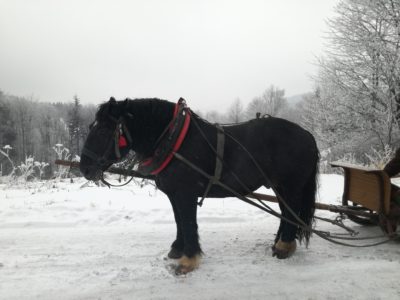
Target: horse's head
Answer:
pixel 108 140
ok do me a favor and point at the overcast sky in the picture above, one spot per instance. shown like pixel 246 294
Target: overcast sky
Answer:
pixel 208 51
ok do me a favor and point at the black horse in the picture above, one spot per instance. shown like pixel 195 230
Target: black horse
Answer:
pixel 267 151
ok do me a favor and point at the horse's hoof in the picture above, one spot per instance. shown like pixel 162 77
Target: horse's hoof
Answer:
pixel 175 254
pixel 187 264
pixel 283 250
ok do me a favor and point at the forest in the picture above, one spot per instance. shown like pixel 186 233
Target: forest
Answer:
pixel 33 134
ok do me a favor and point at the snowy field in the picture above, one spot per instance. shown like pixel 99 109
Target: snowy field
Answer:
pixel 79 241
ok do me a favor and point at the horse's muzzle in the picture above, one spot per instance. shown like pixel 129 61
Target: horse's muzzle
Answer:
pixel 91 173
pixel 89 169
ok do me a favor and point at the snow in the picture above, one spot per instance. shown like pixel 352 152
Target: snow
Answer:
pixel 62 240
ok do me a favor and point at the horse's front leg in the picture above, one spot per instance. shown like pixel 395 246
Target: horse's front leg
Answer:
pixel 177 246
pixel 186 207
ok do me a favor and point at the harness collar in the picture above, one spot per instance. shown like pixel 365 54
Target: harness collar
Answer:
pixel 169 142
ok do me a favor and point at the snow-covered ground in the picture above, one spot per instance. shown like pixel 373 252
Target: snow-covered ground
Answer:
pixel 64 241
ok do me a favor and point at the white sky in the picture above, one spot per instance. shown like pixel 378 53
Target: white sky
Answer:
pixel 207 51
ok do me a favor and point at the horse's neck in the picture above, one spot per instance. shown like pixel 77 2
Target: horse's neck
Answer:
pixel 150 118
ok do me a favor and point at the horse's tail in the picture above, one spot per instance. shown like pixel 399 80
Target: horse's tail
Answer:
pixel 308 206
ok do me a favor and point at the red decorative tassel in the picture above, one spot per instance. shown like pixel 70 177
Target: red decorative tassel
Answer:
pixel 122 142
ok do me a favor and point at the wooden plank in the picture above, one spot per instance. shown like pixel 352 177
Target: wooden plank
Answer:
pixel 352 166
pixel 320 206
pixel 113 170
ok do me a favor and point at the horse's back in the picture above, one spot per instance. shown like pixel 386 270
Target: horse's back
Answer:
pixel 281 148
pixel 269 130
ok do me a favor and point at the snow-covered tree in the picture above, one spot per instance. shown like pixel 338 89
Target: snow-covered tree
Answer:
pixel 7 133
pixel 271 102
pixel 23 116
pixel 235 112
pixel 7 136
pixel 6 168
pixel 359 77
pixel 214 116
pixel 75 126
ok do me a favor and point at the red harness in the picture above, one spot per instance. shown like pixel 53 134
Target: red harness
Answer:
pixel 170 142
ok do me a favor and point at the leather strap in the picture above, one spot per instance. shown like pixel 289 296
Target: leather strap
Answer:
pixel 218 162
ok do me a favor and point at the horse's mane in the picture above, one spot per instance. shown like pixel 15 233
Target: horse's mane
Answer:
pixel 140 107
pixel 102 111
pixel 145 118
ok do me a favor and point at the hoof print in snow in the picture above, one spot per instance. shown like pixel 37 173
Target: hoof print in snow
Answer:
pixel 171 268
pixel 177 270
pixel 181 270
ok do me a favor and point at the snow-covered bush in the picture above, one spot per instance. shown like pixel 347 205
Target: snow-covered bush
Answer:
pixel 40 167
pixel 25 170
pixel 375 159
pixel 63 154
pixel 378 159
pixel 30 170
pixel 5 151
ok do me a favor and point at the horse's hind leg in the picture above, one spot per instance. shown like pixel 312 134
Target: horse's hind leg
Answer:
pixel 285 241
pixel 301 201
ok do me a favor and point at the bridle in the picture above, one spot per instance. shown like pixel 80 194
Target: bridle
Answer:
pixel 121 138
pixel 167 143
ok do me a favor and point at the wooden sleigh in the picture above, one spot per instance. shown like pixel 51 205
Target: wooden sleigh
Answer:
pixel 367 190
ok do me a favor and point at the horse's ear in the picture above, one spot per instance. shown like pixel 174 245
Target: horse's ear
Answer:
pixel 111 106
pixel 125 107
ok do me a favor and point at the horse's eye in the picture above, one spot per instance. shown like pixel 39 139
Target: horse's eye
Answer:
pixel 104 133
